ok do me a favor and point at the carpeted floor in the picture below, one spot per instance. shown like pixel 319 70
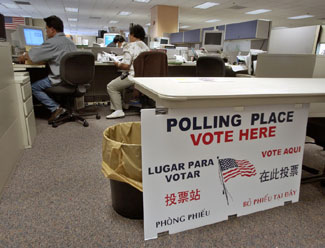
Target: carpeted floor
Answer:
pixel 58 197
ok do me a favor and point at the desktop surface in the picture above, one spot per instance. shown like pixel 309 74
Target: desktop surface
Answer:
pixel 226 91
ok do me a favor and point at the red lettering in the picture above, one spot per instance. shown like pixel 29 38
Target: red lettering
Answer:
pixel 218 134
pixel 272 131
pixel 242 133
pixel 254 132
pixel 209 140
pixel 229 136
pixel 196 141
pixel 263 131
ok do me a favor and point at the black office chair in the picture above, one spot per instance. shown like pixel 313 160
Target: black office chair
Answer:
pixel 210 66
pixel 315 130
pixel 77 70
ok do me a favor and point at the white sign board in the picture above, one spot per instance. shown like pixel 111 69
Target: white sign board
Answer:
pixel 200 166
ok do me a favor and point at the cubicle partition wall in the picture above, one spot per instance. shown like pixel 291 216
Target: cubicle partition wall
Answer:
pixel 293 66
pixel 290 65
pixel 300 40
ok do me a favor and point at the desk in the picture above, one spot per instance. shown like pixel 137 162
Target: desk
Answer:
pixel 204 157
pixel 106 72
pixel 182 92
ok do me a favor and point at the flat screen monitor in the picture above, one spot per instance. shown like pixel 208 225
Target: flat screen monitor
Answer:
pixel 213 40
pixel 108 38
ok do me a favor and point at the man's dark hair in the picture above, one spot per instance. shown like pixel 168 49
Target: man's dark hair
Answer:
pixel 118 38
pixel 54 22
pixel 137 31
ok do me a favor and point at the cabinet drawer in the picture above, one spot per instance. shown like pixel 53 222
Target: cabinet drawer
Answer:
pixel 26 91
pixel 28 106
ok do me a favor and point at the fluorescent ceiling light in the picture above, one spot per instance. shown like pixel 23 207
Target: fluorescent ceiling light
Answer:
pixel 206 5
pixel 72 19
pixel 124 13
pixel 26 16
pixel 184 26
pixel 142 1
pixel 213 20
pixel 68 9
pixel 10 5
pixel 112 21
pixel 300 17
pixel 73 25
pixel 148 24
pixel 258 11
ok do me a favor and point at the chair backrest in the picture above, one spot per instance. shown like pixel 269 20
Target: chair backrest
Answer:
pixel 151 64
pixel 210 66
pixel 78 68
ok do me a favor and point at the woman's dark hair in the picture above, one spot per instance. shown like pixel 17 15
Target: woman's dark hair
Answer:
pixel 137 31
pixel 54 22
pixel 118 38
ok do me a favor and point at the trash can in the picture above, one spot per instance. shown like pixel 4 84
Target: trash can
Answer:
pixel 121 163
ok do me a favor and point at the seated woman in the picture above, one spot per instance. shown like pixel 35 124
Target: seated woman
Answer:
pixel 130 53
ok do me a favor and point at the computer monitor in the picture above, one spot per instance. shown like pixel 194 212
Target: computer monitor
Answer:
pixel 163 40
pixel 213 40
pixel 28 36
pixel 108 38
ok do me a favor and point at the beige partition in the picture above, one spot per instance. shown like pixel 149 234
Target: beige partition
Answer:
pixel 11 144
pixel 164 19
pixel 293 66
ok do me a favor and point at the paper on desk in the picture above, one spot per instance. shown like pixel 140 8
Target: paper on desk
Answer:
pixel 236 68
pixel 113 57
pixel 201 80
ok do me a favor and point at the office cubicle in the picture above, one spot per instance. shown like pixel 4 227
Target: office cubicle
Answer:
pixel 290 65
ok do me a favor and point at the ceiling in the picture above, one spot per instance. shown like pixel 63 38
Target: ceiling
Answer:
pixel 96 14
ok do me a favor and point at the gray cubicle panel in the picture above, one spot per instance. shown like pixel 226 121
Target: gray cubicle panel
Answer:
pixel 287 65
pixel 176 38
pixel 300 40
pixel 192 36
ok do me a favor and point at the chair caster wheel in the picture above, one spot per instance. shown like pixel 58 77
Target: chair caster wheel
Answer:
pixel 85 124
pixel 97 116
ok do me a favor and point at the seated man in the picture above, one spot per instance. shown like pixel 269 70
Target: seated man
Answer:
pixel 119 41
pixel 130 53
pixel 51 51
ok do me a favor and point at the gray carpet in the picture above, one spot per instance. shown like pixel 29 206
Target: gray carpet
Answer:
pixel 58 197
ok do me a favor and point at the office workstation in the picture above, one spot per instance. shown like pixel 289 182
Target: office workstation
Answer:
pixel 55 173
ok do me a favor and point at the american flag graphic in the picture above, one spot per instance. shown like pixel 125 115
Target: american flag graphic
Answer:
pixel 231 168
pixel 13 22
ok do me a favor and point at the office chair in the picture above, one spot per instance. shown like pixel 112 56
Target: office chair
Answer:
pixel 77 70
pixel 210 66
pixel 150 64
pixel 315 130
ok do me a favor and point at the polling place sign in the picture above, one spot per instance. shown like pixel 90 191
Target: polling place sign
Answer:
pixel 200 166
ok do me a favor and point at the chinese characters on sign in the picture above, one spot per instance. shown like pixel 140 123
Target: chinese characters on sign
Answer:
pixel 182 197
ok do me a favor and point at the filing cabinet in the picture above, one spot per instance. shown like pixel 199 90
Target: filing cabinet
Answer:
pixel 26 111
